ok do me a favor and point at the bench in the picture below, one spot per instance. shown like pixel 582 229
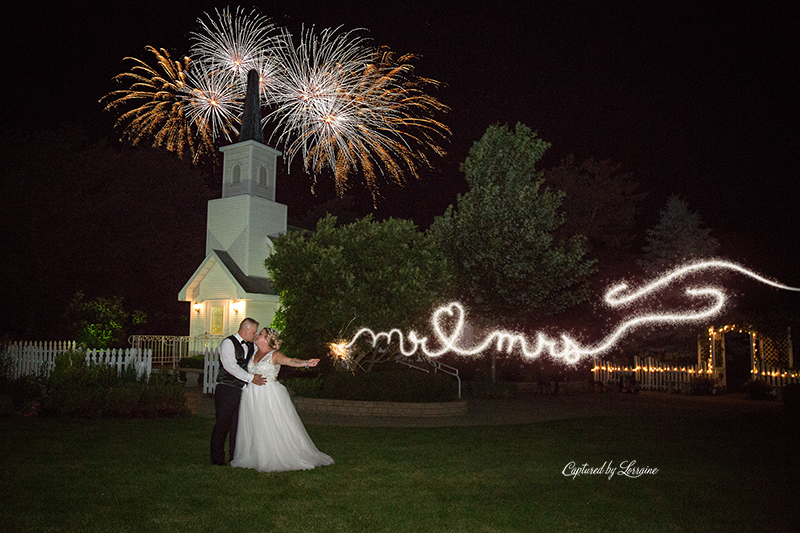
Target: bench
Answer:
pixel 196 379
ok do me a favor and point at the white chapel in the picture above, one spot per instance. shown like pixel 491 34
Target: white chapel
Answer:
pixel 231 283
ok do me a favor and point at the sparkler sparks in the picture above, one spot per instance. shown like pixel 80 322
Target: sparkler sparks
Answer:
pixel 566 348
pixel 341 352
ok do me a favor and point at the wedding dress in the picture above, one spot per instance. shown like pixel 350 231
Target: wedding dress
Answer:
pixel 271 437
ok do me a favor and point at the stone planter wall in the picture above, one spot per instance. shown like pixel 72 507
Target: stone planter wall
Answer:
pixel 387 409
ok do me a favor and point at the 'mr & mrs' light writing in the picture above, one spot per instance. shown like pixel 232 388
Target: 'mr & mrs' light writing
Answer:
pixel 564 348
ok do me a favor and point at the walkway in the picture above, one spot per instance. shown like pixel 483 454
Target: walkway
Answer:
pixel 532 409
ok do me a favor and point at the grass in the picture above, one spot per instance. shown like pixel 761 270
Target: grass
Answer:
pixel 155 475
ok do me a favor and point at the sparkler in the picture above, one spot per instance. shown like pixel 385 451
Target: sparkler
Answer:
pixel 566 348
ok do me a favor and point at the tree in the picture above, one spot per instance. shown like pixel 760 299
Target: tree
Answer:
pixel 380 275
pixel 500 241
pixel 677 237
pixel 600 203
pixel 100 323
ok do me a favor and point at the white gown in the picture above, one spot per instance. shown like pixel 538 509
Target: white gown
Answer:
pixel 270 436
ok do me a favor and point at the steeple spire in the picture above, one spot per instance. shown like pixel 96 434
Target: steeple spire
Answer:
pixel 251 117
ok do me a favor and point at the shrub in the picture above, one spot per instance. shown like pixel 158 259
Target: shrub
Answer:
pixel 24 392
pixel 702 386
pixel 487 389
pixel 305 387
pixel 77 389
pixel 759 390
pixel 385 385
pixel 196 361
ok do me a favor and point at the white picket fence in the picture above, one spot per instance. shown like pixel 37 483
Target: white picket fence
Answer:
pixel 649 374
pixel 653 375
pixel 210 370
pixel 35 357
pixel 775 376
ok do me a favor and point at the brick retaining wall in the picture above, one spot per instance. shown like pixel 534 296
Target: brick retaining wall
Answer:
pixel 389 409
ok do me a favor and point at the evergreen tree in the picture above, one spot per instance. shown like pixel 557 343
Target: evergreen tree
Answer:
pixel 678 237
pixel 600 202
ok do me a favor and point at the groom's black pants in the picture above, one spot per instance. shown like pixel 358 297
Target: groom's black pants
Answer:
pixel 226 404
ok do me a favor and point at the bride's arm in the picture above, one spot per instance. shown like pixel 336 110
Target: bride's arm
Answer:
pixel 280 359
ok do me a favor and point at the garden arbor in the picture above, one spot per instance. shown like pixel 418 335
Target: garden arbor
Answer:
pixel 735 354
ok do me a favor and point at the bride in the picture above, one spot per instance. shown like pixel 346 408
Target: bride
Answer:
pixel 271 437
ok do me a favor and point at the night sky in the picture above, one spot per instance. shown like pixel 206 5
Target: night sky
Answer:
pixel 696 99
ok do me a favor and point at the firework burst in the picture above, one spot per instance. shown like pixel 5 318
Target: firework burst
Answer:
pixel 347 107
pixel 160 94
pixel 235 43
pixel 336 102
pixel 213 103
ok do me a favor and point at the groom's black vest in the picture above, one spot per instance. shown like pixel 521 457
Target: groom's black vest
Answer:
pixel 242 358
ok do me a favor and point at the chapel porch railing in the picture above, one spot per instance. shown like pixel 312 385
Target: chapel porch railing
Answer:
pixel 168 349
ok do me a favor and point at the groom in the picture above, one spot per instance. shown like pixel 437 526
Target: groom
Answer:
pixel 234 354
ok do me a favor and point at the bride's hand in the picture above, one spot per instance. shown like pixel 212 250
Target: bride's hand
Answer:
pixel 311 362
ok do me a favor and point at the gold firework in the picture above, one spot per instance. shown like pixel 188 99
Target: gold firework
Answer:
pixel 162 94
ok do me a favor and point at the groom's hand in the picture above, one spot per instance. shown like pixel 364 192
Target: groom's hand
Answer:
pixel 258 379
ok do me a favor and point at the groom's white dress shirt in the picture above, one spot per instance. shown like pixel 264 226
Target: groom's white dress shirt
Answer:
pixel 227 358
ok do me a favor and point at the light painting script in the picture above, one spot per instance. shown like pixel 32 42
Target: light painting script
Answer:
pixel 565 348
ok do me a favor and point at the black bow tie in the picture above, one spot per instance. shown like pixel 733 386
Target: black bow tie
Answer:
pixel 246 343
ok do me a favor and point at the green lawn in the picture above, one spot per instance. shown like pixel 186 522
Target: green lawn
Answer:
pixel 155 475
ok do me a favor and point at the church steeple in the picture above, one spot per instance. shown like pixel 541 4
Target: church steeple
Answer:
pixel 251 118
pixel 249 166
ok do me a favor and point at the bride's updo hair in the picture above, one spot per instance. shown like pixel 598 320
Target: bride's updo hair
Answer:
pixel 273 340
